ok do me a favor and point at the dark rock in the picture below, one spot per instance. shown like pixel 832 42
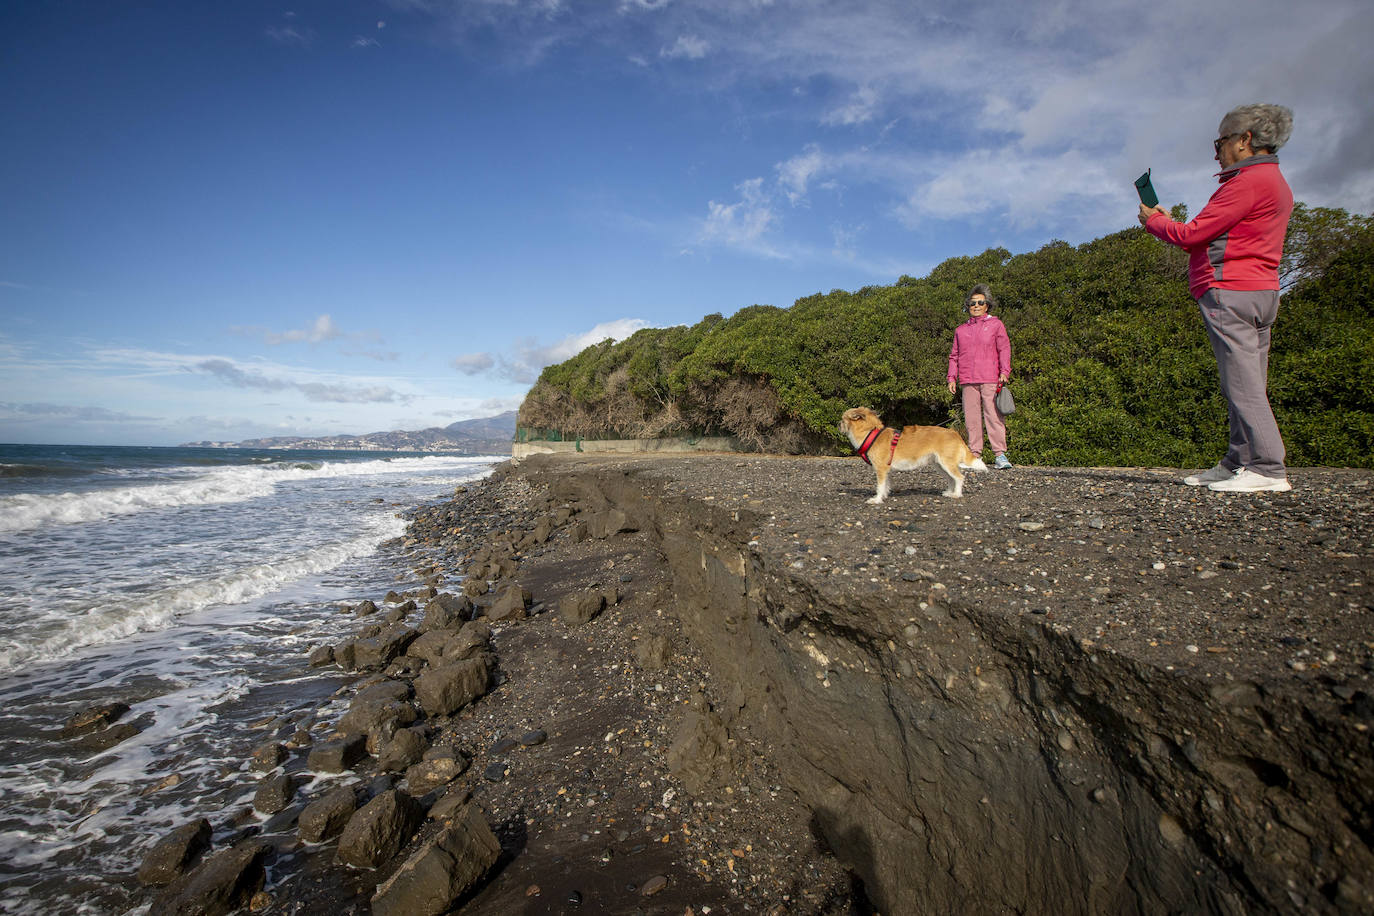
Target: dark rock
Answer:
pixel 495 772
pixel 175 853
pixel 533 738
pixel 364 608
pixel 699 752
pixel 446 612
pixel 219 885
pixel 268 757
pixel 274 793
pixel 337 756
pixel 405 749
pixel 582 607
pixel 326 817
pixel 93 719
pixel 510 604
pixel 654 885
pixel 96 742
pixel 383 702
pixel 379 829
pixel 503 745
pixel 433 772
pixel 653 651
pixel 378 651
pixel 441 870
pixel 447 689
pixel 321 656
pixel 345 655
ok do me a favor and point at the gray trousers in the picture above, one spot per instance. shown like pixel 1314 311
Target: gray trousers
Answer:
pixel 1238 324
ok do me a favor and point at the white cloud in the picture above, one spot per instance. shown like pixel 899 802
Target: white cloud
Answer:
pixel 687 47
pixel 321 330
pixel 10 411
pixel 862 106
pixel 742 224
pixel 473 363
pixel 796 173
pixel 336 393
pixel 529 356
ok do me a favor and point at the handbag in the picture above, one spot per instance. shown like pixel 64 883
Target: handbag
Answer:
pixel 1005 403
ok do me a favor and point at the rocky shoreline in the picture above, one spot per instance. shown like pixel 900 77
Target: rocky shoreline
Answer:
pixel 725 684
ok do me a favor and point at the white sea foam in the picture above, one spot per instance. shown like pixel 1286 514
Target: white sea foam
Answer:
pixel 25 511
pixel 107 623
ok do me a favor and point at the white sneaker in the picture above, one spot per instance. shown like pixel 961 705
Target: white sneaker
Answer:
pixel 1247 481
pixel 1211 475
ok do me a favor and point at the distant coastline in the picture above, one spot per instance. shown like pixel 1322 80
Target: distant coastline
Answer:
pixel 484 436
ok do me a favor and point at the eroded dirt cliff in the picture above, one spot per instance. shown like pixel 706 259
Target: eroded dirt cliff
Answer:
pixel 1073 691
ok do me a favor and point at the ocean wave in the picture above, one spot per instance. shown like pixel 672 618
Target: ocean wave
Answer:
pixel 26 511
pixel 110 622
pixel 39 470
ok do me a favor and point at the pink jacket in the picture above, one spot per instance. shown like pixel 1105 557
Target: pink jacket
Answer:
pixel 981 352
pixel 1237 240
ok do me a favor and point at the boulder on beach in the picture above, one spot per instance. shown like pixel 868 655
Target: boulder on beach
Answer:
pixel 582 607
pixel 385 701
pixel 219 885
pixel 444 690
pixel 173 854
pixel 511 603
pixel 380 829
pixel 446 612
pixel 326 817
pixel 378 651
pixel 94 718
pixel 339 755
pixel 364 608
pixel 435 770
pixel 403 749
pixel 442 869
pixel 274 793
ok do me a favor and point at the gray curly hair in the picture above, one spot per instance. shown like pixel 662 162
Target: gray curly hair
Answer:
pixel 1268 125
pixel 983 290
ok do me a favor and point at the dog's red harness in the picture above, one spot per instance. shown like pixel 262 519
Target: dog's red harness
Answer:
pixel 872 437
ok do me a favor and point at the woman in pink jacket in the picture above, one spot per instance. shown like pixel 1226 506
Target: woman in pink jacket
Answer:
pixel 981 361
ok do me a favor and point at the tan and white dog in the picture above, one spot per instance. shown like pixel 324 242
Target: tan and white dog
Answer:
pixel 916 447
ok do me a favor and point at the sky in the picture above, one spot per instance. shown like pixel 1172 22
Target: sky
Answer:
pixel 223 220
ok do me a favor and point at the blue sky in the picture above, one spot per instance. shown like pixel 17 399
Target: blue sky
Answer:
pixel 234 219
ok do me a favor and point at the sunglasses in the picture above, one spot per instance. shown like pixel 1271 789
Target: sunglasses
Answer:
pixel 1216 144
pixel 973 303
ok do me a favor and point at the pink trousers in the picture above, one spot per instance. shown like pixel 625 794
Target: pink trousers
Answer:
pixel 979 410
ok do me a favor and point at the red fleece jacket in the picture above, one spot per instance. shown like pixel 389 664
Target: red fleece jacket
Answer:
pixel 1237 240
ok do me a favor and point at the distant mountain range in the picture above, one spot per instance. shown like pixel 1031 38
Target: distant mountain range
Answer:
pixel 484 436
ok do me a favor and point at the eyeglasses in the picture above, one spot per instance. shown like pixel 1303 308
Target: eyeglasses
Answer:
pixel 1216 144
pixel 974 303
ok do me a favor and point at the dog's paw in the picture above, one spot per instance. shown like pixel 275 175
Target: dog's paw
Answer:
pixel 953 494
pixel 874 500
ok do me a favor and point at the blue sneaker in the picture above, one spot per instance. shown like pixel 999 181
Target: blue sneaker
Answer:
pixel 1002 464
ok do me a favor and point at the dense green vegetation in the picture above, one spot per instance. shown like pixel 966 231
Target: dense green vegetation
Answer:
pixel 1111 365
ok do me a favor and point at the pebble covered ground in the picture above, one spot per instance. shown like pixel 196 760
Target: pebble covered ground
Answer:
pixel 571 750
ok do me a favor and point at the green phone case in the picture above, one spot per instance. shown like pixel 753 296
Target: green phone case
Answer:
pixel 1146 190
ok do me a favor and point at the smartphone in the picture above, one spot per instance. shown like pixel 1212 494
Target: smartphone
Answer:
pixel 1146 190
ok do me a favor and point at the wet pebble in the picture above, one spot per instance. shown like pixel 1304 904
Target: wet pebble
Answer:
pixel 533 738
pixel 495 772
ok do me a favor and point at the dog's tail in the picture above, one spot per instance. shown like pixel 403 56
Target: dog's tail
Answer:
pixel 969 462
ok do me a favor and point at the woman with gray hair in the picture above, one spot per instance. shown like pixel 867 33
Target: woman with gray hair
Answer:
pixel 1234 246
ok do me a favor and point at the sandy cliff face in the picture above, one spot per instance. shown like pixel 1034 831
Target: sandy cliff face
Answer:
pixel 1072 692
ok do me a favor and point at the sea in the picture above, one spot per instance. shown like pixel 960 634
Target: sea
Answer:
pixel 189 584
